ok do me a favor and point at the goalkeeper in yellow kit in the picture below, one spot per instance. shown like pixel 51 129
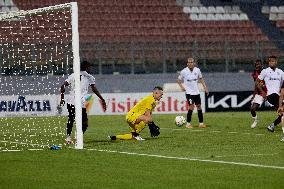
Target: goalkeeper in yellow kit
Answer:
pixel 141 115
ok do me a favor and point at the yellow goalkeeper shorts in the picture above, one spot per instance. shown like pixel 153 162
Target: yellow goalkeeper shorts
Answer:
pixel 131 119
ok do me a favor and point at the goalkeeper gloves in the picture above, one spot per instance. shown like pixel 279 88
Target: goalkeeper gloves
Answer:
pixel 154 129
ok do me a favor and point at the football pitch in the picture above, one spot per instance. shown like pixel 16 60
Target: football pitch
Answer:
pixel 226 154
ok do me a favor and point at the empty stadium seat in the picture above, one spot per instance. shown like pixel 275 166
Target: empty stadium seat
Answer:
pixel 211 16
pixel 220 9
pixel 211 9
pixel 194 10
pixel 265 10
pixel 274 9
pixel 203 9
pixel 243 16
pixel 219 16
pixel 187 10
pixel 191 3
pixel 194 16
pixel 5 9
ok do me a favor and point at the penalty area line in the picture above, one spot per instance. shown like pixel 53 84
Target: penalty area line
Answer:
pixel 191 159
pixel 24 143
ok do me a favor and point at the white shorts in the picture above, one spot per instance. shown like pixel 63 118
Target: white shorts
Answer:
pixel 258 99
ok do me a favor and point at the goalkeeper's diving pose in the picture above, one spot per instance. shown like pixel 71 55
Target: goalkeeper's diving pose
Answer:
pixel 141 115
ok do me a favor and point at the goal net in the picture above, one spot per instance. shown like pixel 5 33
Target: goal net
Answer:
pixel 38 49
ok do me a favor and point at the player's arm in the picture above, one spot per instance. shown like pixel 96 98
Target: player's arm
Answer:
pixel 259 85
pixel 255 90
pixel 154 129
pixel 62 91
pixel 96 91
pixel 202 81
pixel 179 82
pixel 148 114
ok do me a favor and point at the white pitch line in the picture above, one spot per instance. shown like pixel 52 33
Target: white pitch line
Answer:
pixel 191 159
pixel 10 150
pixel 3 141
pixel 247 155
pixel 35 149
pixel 216 131
pixel 260 134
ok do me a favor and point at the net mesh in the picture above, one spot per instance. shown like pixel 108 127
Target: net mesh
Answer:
pixel 35 47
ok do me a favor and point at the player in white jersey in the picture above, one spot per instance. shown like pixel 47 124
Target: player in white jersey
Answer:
pixel 273 78
pixel 87 81
pixel 188 81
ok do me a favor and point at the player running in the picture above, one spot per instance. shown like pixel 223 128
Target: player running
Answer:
pixel 273 78
pixel 87 81
pixel 257 98
pixel 140 116
pixel 190 77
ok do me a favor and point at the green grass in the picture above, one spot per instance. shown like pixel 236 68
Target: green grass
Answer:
pixel 228 138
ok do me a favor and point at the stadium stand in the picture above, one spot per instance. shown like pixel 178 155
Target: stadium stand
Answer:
pixel 119 83
pixel 117 34
pixel 156 36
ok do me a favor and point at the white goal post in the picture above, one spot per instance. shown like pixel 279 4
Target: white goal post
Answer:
pixel 17 34
pixel 76 68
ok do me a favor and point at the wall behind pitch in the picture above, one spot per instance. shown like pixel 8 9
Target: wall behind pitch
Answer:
pixel 117 103
pixel 121 103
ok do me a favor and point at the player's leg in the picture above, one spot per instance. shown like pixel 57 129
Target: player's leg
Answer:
pixel 70 122
pixel 197 101
pixel 84 120
pixel 130 119
pixel 253 109
pixel 127 136
pixel 190 110
pixel 282 123
pixel 136 125
pixel 138 128
pixel 274 100
pixel 256 103
pixel 134 132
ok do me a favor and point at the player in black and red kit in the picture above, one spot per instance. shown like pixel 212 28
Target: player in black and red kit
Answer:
pixel 257 98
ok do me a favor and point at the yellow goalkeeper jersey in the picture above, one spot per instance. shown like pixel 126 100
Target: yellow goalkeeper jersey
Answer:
pixel 147 102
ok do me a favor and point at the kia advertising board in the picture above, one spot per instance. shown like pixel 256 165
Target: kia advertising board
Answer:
pixel 231 101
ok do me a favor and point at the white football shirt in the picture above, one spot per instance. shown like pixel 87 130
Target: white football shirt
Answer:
pixel 273 79
pixel 86 80
pixel 191 80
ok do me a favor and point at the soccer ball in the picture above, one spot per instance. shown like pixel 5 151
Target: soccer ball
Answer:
pixel 180 121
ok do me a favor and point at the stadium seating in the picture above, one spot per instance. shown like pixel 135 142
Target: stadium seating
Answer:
pixel 166 21
pixel 275 14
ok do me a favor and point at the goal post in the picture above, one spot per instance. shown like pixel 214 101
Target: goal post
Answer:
pixel 39 48
pixel 76 68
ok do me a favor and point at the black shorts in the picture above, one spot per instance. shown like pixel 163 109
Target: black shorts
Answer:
pixel 273 99
pixel 193 99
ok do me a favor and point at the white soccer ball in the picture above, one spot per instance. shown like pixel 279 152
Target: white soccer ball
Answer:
pixel 180 121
